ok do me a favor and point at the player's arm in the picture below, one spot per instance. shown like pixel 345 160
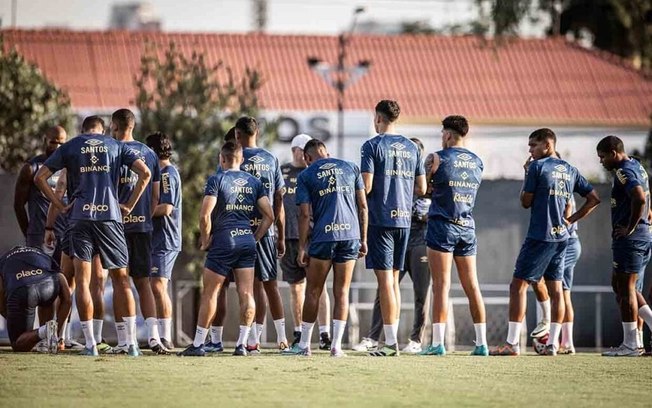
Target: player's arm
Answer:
pixel 529 184
pixel 591 200
pixel 265 209
pixel 367 166
pixel 163 210
pixel 164 204
pixel 304 232
pixel 279 217
pixel 363 220
pixel 207 206
pixel 156 193
pixel 41 181
pixel 431 165
pixel 21 195
pixel 144 175
pixel 53 212
pixel 637 197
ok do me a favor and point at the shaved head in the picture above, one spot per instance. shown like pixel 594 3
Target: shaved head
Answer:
pixel 54 137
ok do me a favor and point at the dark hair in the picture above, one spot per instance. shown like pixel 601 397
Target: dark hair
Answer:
pixel 230 135
pixel 124 118
pixel 457 124
pixel 418 142
pixel 247 126
pixel 388 109
pixel 313 146
pixel 161 144
pixel 230 150
pixel 91 122
pixel 610 144
pixel 543 134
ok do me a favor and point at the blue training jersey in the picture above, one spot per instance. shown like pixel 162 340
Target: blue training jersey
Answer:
pixel 38 204
pixel 265 167
pixel 167 229
pixel 394 162
pixel 455 186
pixel 630 174
pixel 23 266
pixel 140 218
pixel 552 181
pixel 92 164
pixel 237 194
pixel 329 186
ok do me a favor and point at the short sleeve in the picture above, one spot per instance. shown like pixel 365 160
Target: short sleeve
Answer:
pixel 278 177
pixel 420 170
pixel 359 184
pixel 530 185
pixel 627 178
pixel 303 195
pixel 211 188
pixel 582 186
pixel 167 188
pixel 367 158
pixel 156 171
pixel 260 189
pixel 128 155
pixel 56 160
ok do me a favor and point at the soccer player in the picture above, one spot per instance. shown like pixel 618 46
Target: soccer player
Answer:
pixel 92 164
pixel 332 189
pixel 548 186
pixel 166 237
pixel 29 278
pixel 230 241
pixel 294 274
pixel 138 229
pixel 455 174
pixel 631 239
pixel 392 171
pixel 264 166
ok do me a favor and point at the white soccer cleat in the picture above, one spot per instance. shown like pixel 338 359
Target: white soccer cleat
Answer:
pixel 622 351
pixel 366 344
pixel 42 347
pixel 51 337
pixel 541 330
pixel 412 347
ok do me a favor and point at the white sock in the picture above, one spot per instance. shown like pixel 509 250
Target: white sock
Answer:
pixel 279 324
pixel 325 329
pixel 514 333
pixel 216 333
pixel 645 313
pixel 42 332
pixel 259 333
pixel 306 334
pixel 480 334
pixel 242 338
pixel 97 329
pixel 390 336
pixel 553 337
pixel 132 336
pixel 298 328
pixel 121 331
pixel 567 335
pixel 253 335
pixel 165 328
pixel 438 330
pixel 629 334
pixel 338 333
pixel 639 338
pixel 545 310
pixel 87 328
pixel 200 336
pixel 395 328
pixel 152 331
pixel 67 331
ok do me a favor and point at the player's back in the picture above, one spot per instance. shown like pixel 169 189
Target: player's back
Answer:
pixel 290 174
pixel 24 266
pixel 394 161
pixel 455 186
pixel 167 229
pixel 140 218
pixel 630 174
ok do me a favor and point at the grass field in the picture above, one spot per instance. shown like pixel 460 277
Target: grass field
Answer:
pixel 584 380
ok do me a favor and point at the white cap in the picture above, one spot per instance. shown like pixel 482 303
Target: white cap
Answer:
pixel 300 141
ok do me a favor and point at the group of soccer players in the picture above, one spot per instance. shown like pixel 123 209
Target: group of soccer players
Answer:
pixel 114 203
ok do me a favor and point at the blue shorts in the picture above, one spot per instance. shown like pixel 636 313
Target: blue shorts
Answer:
pixel 541 259
pixel 163 263
pixel 228 253
pixel 444 236
pixel 573 252
pixel 631 256
pixel 23 301
pixel 139 246
pixel 106 238
pixel 266 259
pixel 336 251
pixel 387 247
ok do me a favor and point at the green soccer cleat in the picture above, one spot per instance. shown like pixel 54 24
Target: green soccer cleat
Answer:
pixel 480 351
pixel 103 347
pixel 386 351
pixel 297 351
pixel 438 350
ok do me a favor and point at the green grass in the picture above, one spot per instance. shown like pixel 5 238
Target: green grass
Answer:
pixel 584 380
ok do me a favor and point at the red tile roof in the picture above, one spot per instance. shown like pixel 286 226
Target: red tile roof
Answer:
pixel 525 81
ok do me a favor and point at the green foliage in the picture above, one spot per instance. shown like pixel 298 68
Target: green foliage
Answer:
pixel 29 104
pixel 195 104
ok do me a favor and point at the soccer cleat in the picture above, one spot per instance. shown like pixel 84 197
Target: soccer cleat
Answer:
pixel 438 350
pixel 133 351
pixel 505 350
pixel 119 349
pixel 214 347
pixel 103 347
pixel 73 345
pixel 158 349
pixel 192 351
pixel 282 346
pixel 550 350
pixel 324 341
pixel 622 351
pixel 42 347
pixel 337 353
pixel 240 350
pixel 51 336
pixel 297 351
pixel 366 344
pixel 253 350
pixel 386 351
pixel 542 329
pixel 297 338
pixel 61 345
pixel 413 347
pixel 91 352
pixel 566 350
pixel 167 344
pixel 482 350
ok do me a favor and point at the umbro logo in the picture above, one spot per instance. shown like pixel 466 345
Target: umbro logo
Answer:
pixel 327 166
pixel 93 142
pixel 560 168
pixel 240 182
pixel 256 159
pixel 398 146
pixel 464 156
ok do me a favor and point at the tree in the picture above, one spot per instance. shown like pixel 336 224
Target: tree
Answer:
pixel 29 104
pixel 195 104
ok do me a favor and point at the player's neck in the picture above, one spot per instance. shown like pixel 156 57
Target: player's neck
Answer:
pixel 388 128
pixel 299 164
pixel 230 166
pixel 460 144
pixel 248 142
pixel 163 163
pixel 125 136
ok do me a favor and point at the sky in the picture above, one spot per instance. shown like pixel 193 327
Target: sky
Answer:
pixel 284 16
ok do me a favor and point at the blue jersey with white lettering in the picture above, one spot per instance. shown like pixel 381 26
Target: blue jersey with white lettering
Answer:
pixel 552 181
pixel 265 167
pixel 167 229
pixel 23 266
pixel 140 218
pixel 572 229
pixel 92 164
pixel 329 185
pixel 394 162
pixel 237 194
pixel 38 204
pixel 630 174
pixel 455 186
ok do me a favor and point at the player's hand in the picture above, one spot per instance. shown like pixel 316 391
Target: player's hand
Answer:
pixel 567 222
pixel 621 232
pixel 49 239
pixel 280 248
pixel 205 244
pixel 529 161
pixel 302 258
pixel 363 250
pixel 125 210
